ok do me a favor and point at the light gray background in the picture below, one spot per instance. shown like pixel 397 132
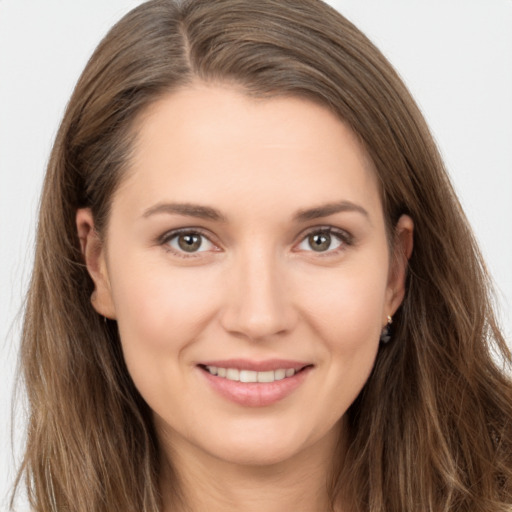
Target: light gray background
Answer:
pixel 455 55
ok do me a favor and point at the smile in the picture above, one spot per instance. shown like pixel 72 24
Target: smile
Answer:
pixel 255 384
pixel 251 376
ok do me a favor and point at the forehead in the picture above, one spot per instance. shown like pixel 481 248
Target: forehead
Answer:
pixel 212 142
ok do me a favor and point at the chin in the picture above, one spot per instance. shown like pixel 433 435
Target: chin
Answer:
pixel 266 447
pixel 268 454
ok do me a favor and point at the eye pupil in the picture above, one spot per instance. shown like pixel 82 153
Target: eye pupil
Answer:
pixel 320 241
pixel 189 242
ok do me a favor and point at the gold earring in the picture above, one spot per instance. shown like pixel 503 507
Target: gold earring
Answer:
pixel 385 335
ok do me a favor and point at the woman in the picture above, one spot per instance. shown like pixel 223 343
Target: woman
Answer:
pixel 254 286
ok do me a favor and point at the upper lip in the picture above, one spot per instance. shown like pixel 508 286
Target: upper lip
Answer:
pixel 257 366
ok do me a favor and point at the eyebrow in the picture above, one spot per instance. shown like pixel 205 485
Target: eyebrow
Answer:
pixel 209 213
pixel 329 209
pixel 187 209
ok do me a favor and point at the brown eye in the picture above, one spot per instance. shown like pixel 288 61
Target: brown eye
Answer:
pixel 320 242
pixel 189 242
pixel 324 240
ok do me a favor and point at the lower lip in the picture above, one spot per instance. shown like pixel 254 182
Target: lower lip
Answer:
pixel 256 394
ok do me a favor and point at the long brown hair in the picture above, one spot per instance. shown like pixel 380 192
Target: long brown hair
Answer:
pixel 432 428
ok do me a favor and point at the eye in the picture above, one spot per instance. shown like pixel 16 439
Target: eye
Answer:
pixel 324 240
pixel 188 242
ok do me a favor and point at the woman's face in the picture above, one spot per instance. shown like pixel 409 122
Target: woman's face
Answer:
pixel 246 243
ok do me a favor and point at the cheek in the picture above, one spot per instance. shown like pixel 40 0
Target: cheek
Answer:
pixel 346 315
pixel 160 312
pixel 160 308
pixel 347 304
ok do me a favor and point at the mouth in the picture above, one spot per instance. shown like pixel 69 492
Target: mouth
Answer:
pixel 246 376
pixel 255 384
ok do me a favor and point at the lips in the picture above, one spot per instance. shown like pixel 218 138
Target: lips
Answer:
pixel 255 383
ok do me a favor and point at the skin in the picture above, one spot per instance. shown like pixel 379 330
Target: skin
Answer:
pixel 256 289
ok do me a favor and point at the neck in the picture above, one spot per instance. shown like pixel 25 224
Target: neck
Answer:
pixel 204 482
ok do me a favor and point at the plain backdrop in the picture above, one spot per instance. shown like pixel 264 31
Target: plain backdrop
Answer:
pixel 455 56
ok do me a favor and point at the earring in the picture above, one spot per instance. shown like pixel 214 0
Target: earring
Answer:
pixel 385 335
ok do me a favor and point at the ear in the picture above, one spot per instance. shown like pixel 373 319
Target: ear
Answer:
pixel 402 250
pixel 93 252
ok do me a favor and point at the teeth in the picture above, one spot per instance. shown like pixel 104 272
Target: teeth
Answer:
pixel 232 374
pixel 279 374
pixel 266 376
pixel 251 376
pixel 248 376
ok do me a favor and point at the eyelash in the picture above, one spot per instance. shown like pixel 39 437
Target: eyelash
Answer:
pixel 166 238
pixel 345 239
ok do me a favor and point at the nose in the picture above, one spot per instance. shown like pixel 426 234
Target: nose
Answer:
pixel 259 304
